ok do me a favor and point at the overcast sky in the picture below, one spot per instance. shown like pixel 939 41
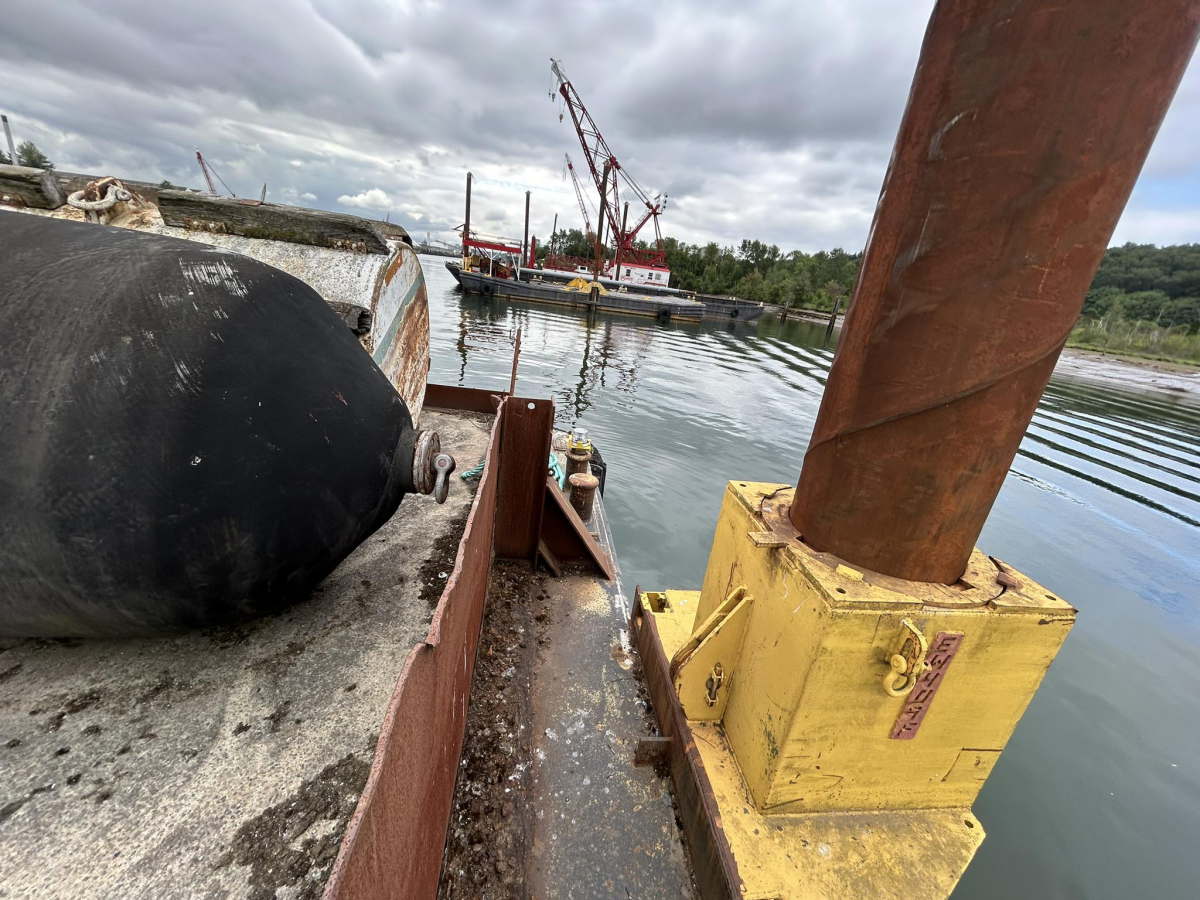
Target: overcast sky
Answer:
pixel 760 120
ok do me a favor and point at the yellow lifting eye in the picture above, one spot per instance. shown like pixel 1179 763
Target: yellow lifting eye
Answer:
pixel 908 663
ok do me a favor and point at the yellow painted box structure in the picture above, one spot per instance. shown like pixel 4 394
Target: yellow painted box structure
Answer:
pixel 796 733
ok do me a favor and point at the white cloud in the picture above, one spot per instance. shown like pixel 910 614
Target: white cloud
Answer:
pixel 372 199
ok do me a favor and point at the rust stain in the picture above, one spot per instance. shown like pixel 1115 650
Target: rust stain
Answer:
pixel 394 266
pixel 916 706
pixel 407 362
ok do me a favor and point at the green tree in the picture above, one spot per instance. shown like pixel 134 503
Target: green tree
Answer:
pixel 1145 283
pixel 5 159
pixel 28 154
pixel 167 186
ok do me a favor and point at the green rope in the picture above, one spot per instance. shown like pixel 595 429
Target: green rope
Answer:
pixel 555 469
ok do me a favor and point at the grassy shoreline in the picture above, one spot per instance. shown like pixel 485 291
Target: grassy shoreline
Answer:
pixel 1139 339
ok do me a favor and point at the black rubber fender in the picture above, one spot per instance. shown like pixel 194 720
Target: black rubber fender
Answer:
pixel 191 437
pixel 599 468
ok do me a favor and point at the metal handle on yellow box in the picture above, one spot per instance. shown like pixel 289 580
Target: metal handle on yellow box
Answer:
pixel 909 663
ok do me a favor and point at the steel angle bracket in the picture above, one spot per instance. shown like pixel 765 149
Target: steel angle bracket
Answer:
pixel 703 668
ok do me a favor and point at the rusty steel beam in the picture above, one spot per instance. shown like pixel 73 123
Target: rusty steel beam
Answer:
pixel 713 863
pixel 1026 127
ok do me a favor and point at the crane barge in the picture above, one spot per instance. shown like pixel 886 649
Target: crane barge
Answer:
pixel 630 264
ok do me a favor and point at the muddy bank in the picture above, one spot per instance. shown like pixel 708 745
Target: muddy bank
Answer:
pixel 1130 372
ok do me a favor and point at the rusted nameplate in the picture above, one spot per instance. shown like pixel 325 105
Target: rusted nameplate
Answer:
pixel 939 657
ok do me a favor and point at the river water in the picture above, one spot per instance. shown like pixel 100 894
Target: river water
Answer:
pixel 1098 792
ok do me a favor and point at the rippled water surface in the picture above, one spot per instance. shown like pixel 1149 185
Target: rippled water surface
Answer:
pixel 1098 792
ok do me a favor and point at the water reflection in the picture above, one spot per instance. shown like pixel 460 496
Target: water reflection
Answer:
pixel 604 352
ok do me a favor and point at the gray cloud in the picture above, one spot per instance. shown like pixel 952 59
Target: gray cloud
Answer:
pixel 767 120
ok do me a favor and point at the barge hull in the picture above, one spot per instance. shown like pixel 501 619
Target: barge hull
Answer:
pixel 649 307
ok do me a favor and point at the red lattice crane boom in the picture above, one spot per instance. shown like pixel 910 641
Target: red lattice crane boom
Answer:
pixel 212 189
pixel 587 220
pixel 597 153
pixel 206 167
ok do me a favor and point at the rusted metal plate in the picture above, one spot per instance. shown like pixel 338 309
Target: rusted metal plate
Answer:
pixel 715 869
pixel 524 457
pixel 1025 130
pixel 394 842
pixel 651 751
pixel 939 657
pixel 566 535
pixel 452 396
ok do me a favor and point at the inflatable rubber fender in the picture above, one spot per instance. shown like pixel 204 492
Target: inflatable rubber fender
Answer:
pixel 191 437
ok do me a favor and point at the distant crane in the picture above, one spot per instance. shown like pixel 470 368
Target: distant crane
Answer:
pixel 587 221
pixel 206 166
pixel 598 154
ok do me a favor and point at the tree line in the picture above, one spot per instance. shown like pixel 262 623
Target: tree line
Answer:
pixel 1135 282
pixel 752 270
pixel 1146 283
pixel 29 155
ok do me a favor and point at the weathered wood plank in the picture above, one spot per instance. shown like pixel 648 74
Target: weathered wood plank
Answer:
pixel 36 188
pixel 77 181
pixel 272 221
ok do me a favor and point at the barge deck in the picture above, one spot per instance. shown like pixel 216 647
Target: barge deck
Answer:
pixel 551 801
